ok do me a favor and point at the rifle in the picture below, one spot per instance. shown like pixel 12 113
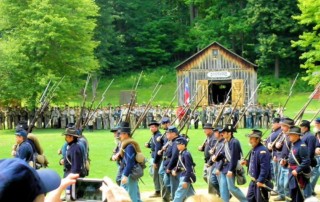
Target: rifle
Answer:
pixel 99 104
pixel 216 121
pixel 249 103
pixel 299 116
pixel 133 98
pixel 174 97
pixel 314 117
pixel 289 96
pixel 235 106
pixel 44 100
pixel 84 95
pixel 94 95
pixel 146 109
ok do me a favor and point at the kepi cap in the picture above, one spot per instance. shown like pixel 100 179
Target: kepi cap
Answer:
pixel 294 130
pixel 255 133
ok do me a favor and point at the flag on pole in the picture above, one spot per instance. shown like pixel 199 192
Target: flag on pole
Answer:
pixel 186 91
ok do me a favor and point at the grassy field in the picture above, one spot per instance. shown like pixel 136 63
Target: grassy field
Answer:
pixel 101 146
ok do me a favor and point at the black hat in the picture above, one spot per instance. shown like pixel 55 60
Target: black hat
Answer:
pixel 294 130
pixel 208 126
pixel 153 122
pixel 255 133
pixel 218 128
pixel 305 123
pixel 165 120
pixel 276 120
pixel 172 129
pixel 125 128
pixel 71 131
pixel 287 121
pixel 228 128
pixel 115 129
pixel 182 140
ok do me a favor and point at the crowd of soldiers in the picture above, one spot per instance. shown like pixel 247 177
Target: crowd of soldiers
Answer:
pixel 285 161
pixel 256 116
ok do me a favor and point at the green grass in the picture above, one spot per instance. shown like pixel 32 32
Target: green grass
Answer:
pixel 101 146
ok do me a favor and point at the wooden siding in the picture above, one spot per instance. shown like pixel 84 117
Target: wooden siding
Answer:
pixel 198 67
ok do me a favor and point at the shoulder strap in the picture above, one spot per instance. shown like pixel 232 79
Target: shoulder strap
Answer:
pixel 293 156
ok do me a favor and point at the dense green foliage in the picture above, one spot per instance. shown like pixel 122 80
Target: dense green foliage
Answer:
pixel 42 40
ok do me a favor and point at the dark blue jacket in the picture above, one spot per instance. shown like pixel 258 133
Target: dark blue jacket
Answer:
pixel 128 161
pixel 155 146
pixel 73 159
pixel 186 163
pixel 271 139
pixel 285 150
pixel 310 140
pixel 259 164
pixel 235 152
pixel 300 151
pixel 210 142
pixel 25 151
pixel 172 155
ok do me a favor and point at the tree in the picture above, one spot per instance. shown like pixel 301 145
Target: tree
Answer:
pixel 42 40
pixel 309 41
pixel 273 28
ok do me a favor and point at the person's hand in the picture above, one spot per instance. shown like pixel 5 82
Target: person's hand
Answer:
pixel 217 172
pixel 278 145
pixel 13 153
pixel 317 151
pixel 168 171
pixel 59 151
pixel 61 162
pixel 124 180
pixel 173 173
pixel 155 166
pixel 229 174
pixel 275 159
pixel 283 162
pixel 69 180
pixel 270 146
pixel 244 162
pixel 112 192
pixel 259 184
pixel 200 148
pixel 185 185
pixel 213 158
pixel 146 145
pixel 294 173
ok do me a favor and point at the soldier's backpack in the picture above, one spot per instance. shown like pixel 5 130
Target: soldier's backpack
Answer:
pixel 137 171
pixel 39 159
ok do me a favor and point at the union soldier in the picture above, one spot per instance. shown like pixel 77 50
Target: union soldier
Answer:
pixel 310 140
pixel 98 117
pixel 155 160
pixel 114 157
pixel 203 115
pixel 165 188
pixel 73 159
pixel 284 145
pixel 71 115
pixel 299 165
pixel 128 154
pixel 185 171
pixel 205 148
pixel 23 148
pixel 171 156
pixel 259 169
pixel 276 154
pixel 229 163
pixel 316 170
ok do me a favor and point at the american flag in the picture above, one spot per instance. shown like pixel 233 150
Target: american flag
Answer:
pixel 186 91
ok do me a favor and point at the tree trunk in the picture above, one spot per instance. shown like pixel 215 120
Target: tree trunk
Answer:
pixel 276 67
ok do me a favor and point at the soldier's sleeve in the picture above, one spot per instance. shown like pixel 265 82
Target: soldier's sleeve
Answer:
pixel 188 163
pixel 264 158
pixel 76 160
pixel 311 142
pixel 130 159
pixel 235 155
pixel 174 157
pixel 158 147
pixel 305 159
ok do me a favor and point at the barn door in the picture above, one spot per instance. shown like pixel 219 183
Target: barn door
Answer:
pixel 237 92
pixel 202 86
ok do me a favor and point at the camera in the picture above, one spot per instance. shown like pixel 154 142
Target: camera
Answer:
pixel 86 189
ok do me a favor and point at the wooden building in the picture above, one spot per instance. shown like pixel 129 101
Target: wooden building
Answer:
pixel 215 71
